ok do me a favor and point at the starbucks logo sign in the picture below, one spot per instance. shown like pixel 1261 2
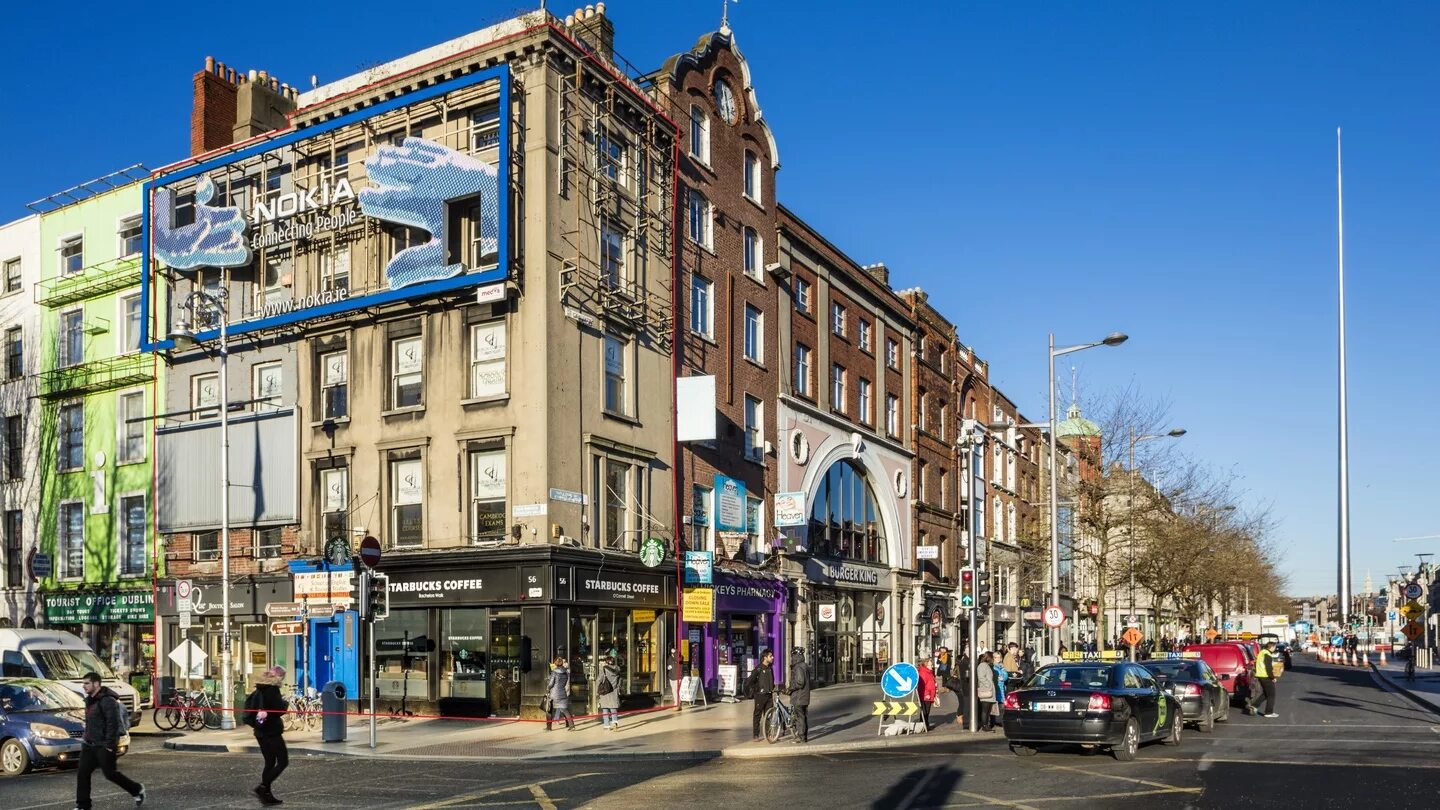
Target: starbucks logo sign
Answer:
pixel 652 552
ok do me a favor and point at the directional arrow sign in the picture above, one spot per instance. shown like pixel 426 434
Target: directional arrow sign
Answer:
pixel 1412 609
pixel 880 707
pixel 885 708
pixel 900 680
pixel 967 601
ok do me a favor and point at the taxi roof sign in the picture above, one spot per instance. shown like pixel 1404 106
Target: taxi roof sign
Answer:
pixel 1189 655
pixel 1106 655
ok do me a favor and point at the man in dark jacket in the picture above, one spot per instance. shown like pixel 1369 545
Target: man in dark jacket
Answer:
pixel 762 688
pixel 104 725
pixel 265 712
pixel 800 693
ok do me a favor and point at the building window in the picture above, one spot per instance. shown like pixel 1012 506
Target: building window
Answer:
pixel 72 255
pixel 699 134
pixel 407 372
pixel 335 269
pixel 701 530
pixel 837 319
pixel 701 223
pixel 407 501
pixel 802 295
pixel 205 394
pixel 487 359
pixel 132 427
pixel 611 154
pixel 837 387
pixel 892 415
pixel 207 546
pixel 130 236
pixel 488 482
pixel 802 370
pixel 752 176
pixel 754 334
pixel 14 447
pixel 265 386
pixel 617 376
pixel 12 275
pixel 72 337
pixel 484 129
pixel 130 323
pixel 612 256
pixel 944 490
pixel 754 429
pixel 754 522
pixel 922 401
pixel 335 502
pixel 614 486
pixel 14 353
pixel 14 548
pixel 335 384
pixel 864 335
pixel 865 412
pixel 702 292
pixel 892 353
pixel 922 480
pixel 132 545
pixel 72 540
pixel 268 542
pixel 277 273
pixel 844 516
pixel 941 412
pixel 72 436
pixel 754 253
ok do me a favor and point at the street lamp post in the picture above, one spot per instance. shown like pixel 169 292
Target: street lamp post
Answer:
pixel 1113 339
pixel 184 337
pixel 1134 440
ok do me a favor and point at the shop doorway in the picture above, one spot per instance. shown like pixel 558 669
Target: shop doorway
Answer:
pixel 505 662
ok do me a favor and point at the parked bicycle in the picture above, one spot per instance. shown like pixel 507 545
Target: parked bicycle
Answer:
pixel 304 712
pixel 779 719
pixel 195 710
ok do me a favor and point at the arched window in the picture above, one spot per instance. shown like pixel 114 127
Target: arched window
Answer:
pixel 845 519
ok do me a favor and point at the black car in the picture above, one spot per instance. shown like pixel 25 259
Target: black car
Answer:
pixel 1203 699
pixel 1117 705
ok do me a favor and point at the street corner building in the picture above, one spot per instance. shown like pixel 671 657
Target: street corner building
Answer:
pixel 440 295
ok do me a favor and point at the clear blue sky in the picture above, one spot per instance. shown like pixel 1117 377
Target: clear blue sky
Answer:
pixel 1165 169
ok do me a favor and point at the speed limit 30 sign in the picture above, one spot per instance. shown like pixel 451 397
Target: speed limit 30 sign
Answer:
pixel 1054 616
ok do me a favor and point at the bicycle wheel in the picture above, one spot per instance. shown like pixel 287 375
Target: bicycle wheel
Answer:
pixel 312 715
pixel 194 718
pixel 166 718
pixel 772 725
pixel 210 716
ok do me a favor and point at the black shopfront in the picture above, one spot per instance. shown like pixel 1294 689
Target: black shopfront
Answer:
pixel 473 633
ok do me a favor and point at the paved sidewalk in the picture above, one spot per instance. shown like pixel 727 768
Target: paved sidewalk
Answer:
pixel 1423 689
pixel 840 720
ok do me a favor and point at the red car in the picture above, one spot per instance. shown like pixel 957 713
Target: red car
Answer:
pixel 1230 662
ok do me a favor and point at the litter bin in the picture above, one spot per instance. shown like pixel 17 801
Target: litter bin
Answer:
pixel 332 703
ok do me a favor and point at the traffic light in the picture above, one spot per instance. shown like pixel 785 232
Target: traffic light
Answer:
pixel 1435 594
pixel 378 600
pixel 982 596
pixel 967 589
pixel 362 595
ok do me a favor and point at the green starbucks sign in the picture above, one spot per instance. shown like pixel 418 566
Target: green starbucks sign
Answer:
pixel 652 552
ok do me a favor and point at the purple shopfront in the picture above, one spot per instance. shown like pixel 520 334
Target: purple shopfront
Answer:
pixel 749 619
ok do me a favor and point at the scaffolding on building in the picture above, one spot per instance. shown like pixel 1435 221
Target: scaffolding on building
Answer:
pixel 616 197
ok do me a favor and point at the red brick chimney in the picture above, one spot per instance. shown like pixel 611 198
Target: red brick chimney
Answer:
pixel 212 112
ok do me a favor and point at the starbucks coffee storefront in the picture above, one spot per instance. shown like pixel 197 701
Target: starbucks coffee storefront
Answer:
pixel 472 634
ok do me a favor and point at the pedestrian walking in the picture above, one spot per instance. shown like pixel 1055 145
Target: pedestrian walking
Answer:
pixel 670 673
pixel 105 722
pixel 265 712
pixel 1267 673
pixel 557 694
pixel 607 686
pixel 927 690
pixel 761 686
pixel 800 693
pixel 960 684
pixel 985 690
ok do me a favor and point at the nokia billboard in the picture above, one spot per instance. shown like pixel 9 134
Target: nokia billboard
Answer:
pixel 403 199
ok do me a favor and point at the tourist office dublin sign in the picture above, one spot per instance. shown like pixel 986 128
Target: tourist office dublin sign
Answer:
pixel 100 608
pixel 308 216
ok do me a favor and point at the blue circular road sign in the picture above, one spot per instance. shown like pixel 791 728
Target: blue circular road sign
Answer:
pixel 900 680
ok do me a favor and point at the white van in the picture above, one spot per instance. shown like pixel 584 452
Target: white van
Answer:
pixel 59 656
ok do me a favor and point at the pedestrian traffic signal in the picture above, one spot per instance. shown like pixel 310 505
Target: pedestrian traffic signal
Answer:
pixel 967 589
pixel 982 593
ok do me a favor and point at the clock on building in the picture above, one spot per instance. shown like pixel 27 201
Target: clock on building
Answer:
pixel 725 100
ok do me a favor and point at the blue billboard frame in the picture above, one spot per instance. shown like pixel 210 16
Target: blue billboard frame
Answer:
pixel 499 273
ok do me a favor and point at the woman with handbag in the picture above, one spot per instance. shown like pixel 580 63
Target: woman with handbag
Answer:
pixel 556 702
pixel 985 690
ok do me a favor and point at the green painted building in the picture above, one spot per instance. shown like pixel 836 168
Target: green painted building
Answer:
pixel 97 394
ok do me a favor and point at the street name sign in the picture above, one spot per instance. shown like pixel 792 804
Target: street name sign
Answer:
pixel 287 628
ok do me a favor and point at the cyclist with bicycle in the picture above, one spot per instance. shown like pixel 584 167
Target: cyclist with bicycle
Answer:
pixel 800 693
pixel 761 685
